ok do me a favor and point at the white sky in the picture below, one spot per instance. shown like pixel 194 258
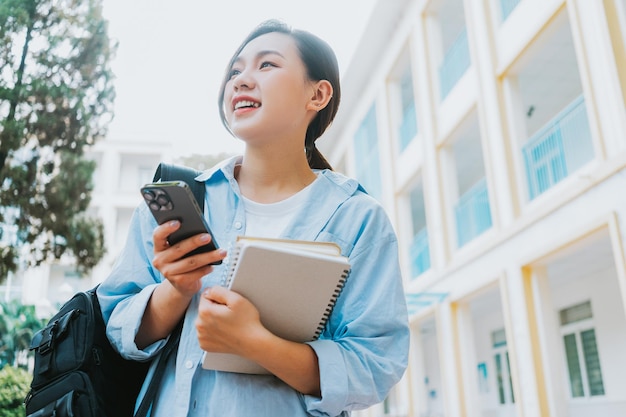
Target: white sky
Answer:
pixel 171 57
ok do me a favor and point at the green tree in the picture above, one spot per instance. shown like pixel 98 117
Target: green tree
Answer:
pixel 18 325
pixel 56 98
pixel 14 386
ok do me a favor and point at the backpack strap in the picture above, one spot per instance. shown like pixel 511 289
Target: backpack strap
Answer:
pixel 170 172
pixel 170 347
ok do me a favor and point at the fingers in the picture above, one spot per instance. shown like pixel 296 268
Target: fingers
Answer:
pixel 184 273
pixel 170 259
pixel 161 233
pixel 227 321
pixel 219 295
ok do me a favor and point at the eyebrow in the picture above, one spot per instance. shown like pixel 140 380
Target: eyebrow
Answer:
pixel 261 54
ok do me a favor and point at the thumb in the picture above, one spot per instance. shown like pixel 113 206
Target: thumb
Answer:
pixel 219 295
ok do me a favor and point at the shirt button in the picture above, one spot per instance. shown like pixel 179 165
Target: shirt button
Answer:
pixel 238 225
pixel 189 364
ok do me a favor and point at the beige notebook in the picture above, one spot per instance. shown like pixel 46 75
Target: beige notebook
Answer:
pixel 294 285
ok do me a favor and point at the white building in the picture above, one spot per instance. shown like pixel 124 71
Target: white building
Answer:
pixel 494 133
pixel 122 168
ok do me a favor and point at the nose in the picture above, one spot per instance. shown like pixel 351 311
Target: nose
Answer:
pixel 243 81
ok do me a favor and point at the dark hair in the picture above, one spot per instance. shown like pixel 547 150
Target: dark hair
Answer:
pixel 321 64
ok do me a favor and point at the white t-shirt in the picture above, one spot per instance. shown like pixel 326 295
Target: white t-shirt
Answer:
pixel 269 220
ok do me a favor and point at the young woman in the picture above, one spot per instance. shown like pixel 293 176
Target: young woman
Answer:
pixel 280 93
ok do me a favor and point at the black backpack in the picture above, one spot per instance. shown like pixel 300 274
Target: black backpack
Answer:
pixel 77 372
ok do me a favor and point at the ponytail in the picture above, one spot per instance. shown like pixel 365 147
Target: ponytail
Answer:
pixel 316 159
pixel 313 155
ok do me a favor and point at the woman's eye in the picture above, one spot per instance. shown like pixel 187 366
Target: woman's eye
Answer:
pixel 233 73
pixel 267 64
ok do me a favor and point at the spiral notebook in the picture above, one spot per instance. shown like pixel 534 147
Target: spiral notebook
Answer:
pixel 294 285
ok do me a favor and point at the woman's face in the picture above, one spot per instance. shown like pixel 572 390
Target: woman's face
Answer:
pixel 267 94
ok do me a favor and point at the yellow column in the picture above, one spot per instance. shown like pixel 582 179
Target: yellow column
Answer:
pixel 528 382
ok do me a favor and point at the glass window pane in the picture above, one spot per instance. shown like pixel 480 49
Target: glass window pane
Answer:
pixel 576 313
pixel 408 125
pixel 366 152
pixel 592 362
pixel 508 367
pixel 500 378
pixel 498 338
pixel 419 250
pixel 418 209
pixel 573 366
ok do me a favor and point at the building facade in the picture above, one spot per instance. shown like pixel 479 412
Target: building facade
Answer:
pixel 494 133
pixel 122 167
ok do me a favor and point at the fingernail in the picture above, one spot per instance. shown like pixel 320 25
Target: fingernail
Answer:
pixel 205 237
pixel 174 223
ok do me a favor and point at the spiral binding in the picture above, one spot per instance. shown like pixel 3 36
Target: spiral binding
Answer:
pixel 231 261
pixel 331 304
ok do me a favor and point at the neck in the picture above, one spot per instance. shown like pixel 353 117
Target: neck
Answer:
pixel 271 176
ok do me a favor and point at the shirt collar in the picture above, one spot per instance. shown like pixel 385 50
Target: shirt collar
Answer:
pixel 226 169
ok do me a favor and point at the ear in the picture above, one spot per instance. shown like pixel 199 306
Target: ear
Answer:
pixel 322 93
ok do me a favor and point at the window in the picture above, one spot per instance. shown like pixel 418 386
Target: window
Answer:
pixel 581 351
pixel 455 63
pixel 366 150
pixel 420 250
pixel 503 367
pixel 408 125
pixel 392 405
pixel 506 7
pixel 144 175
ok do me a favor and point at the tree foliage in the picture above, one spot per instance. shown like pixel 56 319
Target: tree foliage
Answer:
pixel 56 98
pixel 14 386
pixel 18 325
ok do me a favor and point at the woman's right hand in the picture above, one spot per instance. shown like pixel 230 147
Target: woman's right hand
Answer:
pixel 184 274
pixel 170 299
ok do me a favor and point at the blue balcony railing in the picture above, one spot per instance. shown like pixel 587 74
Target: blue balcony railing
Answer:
pixel 472 213
pixel 420 253
pixel 507 6
pixel 408 126
pixel 561 147
pixel 422 300
pixel 454 65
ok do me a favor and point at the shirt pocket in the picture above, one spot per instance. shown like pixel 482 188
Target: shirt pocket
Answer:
pixel 346 247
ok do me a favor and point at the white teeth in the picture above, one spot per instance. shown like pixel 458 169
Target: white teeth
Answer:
pixel 246 103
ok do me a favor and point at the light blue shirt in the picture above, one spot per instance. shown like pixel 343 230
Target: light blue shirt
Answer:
pixel 363 350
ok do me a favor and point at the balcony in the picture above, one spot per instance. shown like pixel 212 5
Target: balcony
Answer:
pixel 506 7
pixel 419 301
pixel 472 213
pixel 454 65
pixel 559 148
pixel 420 253
pixel 408 126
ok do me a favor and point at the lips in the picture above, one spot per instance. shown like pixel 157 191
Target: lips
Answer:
pixel 245 103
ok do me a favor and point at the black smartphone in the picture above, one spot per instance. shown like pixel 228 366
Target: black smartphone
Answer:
pixel 173 200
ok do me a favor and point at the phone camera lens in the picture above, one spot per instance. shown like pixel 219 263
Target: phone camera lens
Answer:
pixel 154 206
pixel 148 195
pixel 162 200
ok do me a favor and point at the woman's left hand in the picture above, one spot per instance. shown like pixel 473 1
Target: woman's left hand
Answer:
pixel 227 322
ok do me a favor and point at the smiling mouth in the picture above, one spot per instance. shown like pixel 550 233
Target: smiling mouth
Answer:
pixel 246 104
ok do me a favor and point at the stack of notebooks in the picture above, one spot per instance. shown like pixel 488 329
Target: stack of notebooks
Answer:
pixel 294 285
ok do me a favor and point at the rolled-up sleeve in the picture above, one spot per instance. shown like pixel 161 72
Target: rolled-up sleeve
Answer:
pixel 125 293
